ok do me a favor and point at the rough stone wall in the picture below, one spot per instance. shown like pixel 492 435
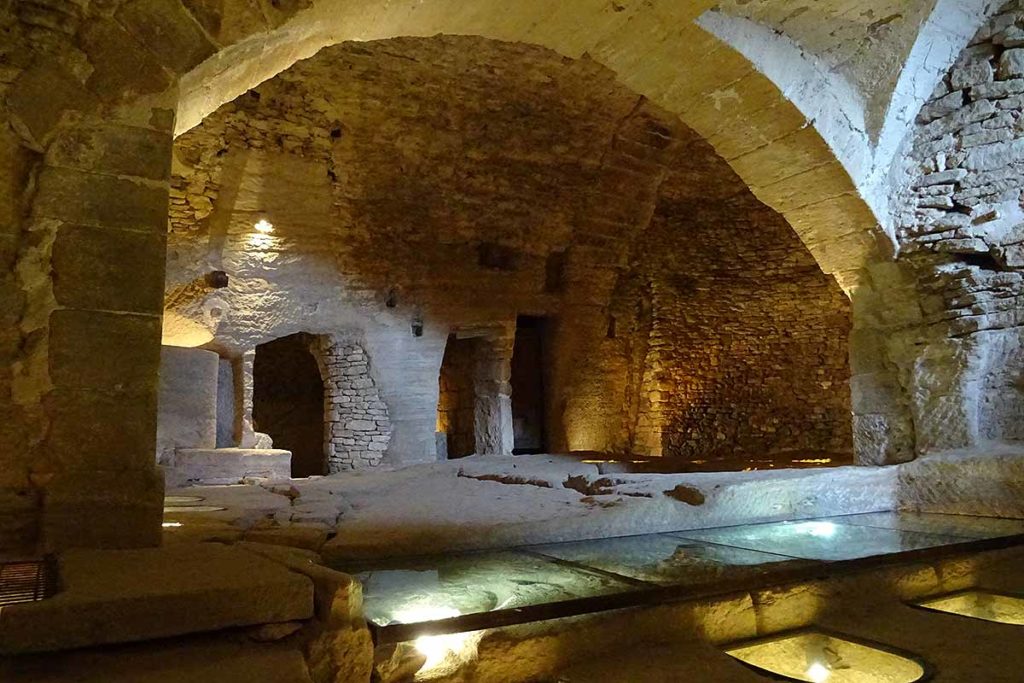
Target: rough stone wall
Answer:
pixel 962 231
pixel 443 184
pixel 746 345
pixel 357 426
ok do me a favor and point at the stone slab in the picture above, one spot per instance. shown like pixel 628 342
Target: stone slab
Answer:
pixel 132 595
pixel 433 509
pixel 230 465
pixel 988 481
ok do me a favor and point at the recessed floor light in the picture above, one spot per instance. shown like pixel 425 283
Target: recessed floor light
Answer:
pixel 979 604
pixel 818 657
pixel 192 508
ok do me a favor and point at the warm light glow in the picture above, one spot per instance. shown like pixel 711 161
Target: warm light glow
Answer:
pixel 184 332
pixel 1005 609
pixel 171 525
pixel 816 657
pixel 437 649
pixel 264 226
pixel 818 672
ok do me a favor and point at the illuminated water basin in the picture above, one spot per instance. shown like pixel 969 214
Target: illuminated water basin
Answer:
pixel 965 526
pixel 429 589
pixel 817 657
pixel 1005 609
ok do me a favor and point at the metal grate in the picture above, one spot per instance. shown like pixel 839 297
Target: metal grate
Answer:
pixel 27 580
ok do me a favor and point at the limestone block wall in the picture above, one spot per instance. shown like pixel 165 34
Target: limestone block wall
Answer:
pixel 740 344
pixel 962 231
pixel 356 421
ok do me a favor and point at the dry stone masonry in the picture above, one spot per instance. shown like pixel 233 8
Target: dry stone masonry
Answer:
pixel 962 232
pixel 356 419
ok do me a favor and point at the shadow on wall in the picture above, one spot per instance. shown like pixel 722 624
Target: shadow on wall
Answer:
pixel 288 400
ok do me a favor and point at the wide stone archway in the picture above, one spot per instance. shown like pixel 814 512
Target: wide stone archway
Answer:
pixel 91 102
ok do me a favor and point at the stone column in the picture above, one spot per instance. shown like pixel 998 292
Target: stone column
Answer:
pixel 249 437
pixel 91 98
pixel 887 323
pixel 493 391
pixel 94 329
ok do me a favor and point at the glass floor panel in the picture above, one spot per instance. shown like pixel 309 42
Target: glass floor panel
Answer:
pixel 817 657
pixel 1005 609
pixel 478 590
pixel 430 589
pixel 665 560
pixel 820 540
pixel 952 525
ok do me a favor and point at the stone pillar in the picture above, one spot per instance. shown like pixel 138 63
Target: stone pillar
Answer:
pixel 493 391
pixel 887 324
pixel 91 98
pixel 249 437
pixel 187 415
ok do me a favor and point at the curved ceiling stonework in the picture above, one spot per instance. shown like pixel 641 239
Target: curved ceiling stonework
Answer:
pixel 464 181
pixel 656 49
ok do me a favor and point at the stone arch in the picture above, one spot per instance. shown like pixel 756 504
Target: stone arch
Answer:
pixel 659 52
pixel 92 97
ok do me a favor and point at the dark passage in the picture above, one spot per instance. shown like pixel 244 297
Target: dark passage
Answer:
pixel 288 401
pixel 456 405
pixel 528 385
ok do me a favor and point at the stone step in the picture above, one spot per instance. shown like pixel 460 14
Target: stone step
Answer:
pixel 120 596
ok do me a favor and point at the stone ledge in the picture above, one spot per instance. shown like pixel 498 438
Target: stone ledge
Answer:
pixel 229 465
pixel 133 595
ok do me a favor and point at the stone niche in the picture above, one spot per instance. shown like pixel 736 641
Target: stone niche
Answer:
pixel 474 408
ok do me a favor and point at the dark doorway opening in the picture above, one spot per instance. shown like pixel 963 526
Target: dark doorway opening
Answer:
pixel 528 392
pixel 456 405
pixel 288 401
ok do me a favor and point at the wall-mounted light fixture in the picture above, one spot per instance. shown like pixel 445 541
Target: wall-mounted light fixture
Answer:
pixel 264 226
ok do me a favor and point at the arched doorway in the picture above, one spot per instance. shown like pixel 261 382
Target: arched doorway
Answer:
pixel 288 401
